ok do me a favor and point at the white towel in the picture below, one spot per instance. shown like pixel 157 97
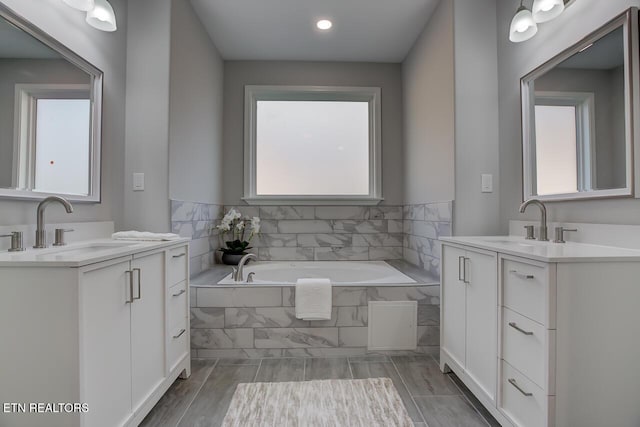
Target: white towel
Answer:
pixel 143 235
pixel 313 299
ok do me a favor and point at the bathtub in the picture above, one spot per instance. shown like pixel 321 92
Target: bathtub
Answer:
pixel 341 273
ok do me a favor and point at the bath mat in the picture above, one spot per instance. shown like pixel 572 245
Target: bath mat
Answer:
pixel 372 402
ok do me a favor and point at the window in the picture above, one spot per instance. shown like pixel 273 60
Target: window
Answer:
pixel 564 141
pixel 52 146
pixel 317 145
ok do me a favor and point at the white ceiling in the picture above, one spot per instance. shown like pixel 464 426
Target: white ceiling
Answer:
pixel 363 30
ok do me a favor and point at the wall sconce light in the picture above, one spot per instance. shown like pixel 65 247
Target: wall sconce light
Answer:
pixel 524 23
pixel 100 14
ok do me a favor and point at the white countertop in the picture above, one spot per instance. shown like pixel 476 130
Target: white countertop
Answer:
pixel 547 251
pixel 81 253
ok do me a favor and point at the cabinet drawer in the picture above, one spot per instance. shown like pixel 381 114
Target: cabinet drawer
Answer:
pixel 523 402
pixel 178 342
pixel 525 287
pixel 525 345
pixel 177 268
pixel 177 302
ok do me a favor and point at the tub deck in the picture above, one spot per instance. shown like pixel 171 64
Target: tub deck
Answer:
pixel 212 276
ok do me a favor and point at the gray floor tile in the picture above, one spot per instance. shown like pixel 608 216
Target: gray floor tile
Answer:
pixel 211 404
pixel 229 362
pixel 327 369
pixel 387 370
pixel 369 358
pixel 449 411
pixel 423 377
pixel 177 399
pixel 475 402
pixel 280 370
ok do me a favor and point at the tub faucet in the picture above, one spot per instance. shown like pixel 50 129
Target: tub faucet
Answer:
pixel 238 274
pixel 543 216
pixel 41 235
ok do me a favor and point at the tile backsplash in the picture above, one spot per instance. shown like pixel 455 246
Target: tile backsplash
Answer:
pixel 327 233
pixel 423 224
pixel 194 220
pixel 323 233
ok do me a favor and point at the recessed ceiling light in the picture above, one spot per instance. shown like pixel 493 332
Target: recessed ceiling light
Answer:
pixel 324 24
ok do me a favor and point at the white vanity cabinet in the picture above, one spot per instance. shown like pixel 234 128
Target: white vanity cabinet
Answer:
pixel 469 324
pixel 558 322
pixel 101 334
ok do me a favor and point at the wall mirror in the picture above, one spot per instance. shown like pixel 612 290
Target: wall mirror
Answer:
pixel 577 112
pixel 50 116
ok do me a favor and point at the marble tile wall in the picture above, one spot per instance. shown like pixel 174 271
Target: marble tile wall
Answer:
pixel 194 220
pixel 327 233
pixel 261 322
pixel 422 225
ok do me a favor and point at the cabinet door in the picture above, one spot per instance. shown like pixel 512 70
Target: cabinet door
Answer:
pixel 482 320
pixel 147 326
pixel 106 345
pixel 453 303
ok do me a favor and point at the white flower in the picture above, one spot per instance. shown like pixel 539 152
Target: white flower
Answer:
pixel 223 227
pixel 231 216
pixel 240 226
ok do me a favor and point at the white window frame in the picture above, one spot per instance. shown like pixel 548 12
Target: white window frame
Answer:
pixel 25 121
pixel 253 94
pixel 585 106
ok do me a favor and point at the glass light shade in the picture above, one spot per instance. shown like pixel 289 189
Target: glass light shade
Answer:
pixel 523 27
pixel 102 16
pixel 83 5
pixel 546 10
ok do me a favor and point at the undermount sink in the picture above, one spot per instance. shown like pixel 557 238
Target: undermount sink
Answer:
pixel 512 243
pixel 86 248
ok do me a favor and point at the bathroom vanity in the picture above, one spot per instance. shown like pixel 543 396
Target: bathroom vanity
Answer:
pixel 543 334
pixel 102 322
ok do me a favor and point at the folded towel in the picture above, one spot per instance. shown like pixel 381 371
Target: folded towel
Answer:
pixel 313 299
pixel 143 235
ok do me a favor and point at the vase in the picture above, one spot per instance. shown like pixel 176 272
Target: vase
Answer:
pixel 232 259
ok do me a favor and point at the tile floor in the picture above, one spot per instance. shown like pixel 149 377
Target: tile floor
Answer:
pixel 431 398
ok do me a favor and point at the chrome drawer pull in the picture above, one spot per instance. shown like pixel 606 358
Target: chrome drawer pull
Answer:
pixel 461 269
pixel 515 384
pixel 522 275
pixel 182 331
pixel 182 291
pixel 179 255
pixel 517 328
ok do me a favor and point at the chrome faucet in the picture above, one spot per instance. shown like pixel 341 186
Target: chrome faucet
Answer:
pixel 238 274
pixel 41 235
pixel 543 217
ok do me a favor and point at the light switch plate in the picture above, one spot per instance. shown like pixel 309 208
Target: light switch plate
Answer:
pixel 138 182
pixel 487 183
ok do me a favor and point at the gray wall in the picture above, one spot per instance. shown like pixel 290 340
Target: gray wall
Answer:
pixel 429 122
pixel 107 52
pixel 16 71
pixel 147 130
pixel 388 77
pixel 476 109
pixel 516 60
pixel 195 112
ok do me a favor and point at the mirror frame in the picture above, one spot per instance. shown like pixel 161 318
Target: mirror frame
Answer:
pixel 96 87
pixel 628 21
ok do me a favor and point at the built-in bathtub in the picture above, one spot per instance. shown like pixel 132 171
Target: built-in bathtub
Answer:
pixel 255 320
pixel 341 273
